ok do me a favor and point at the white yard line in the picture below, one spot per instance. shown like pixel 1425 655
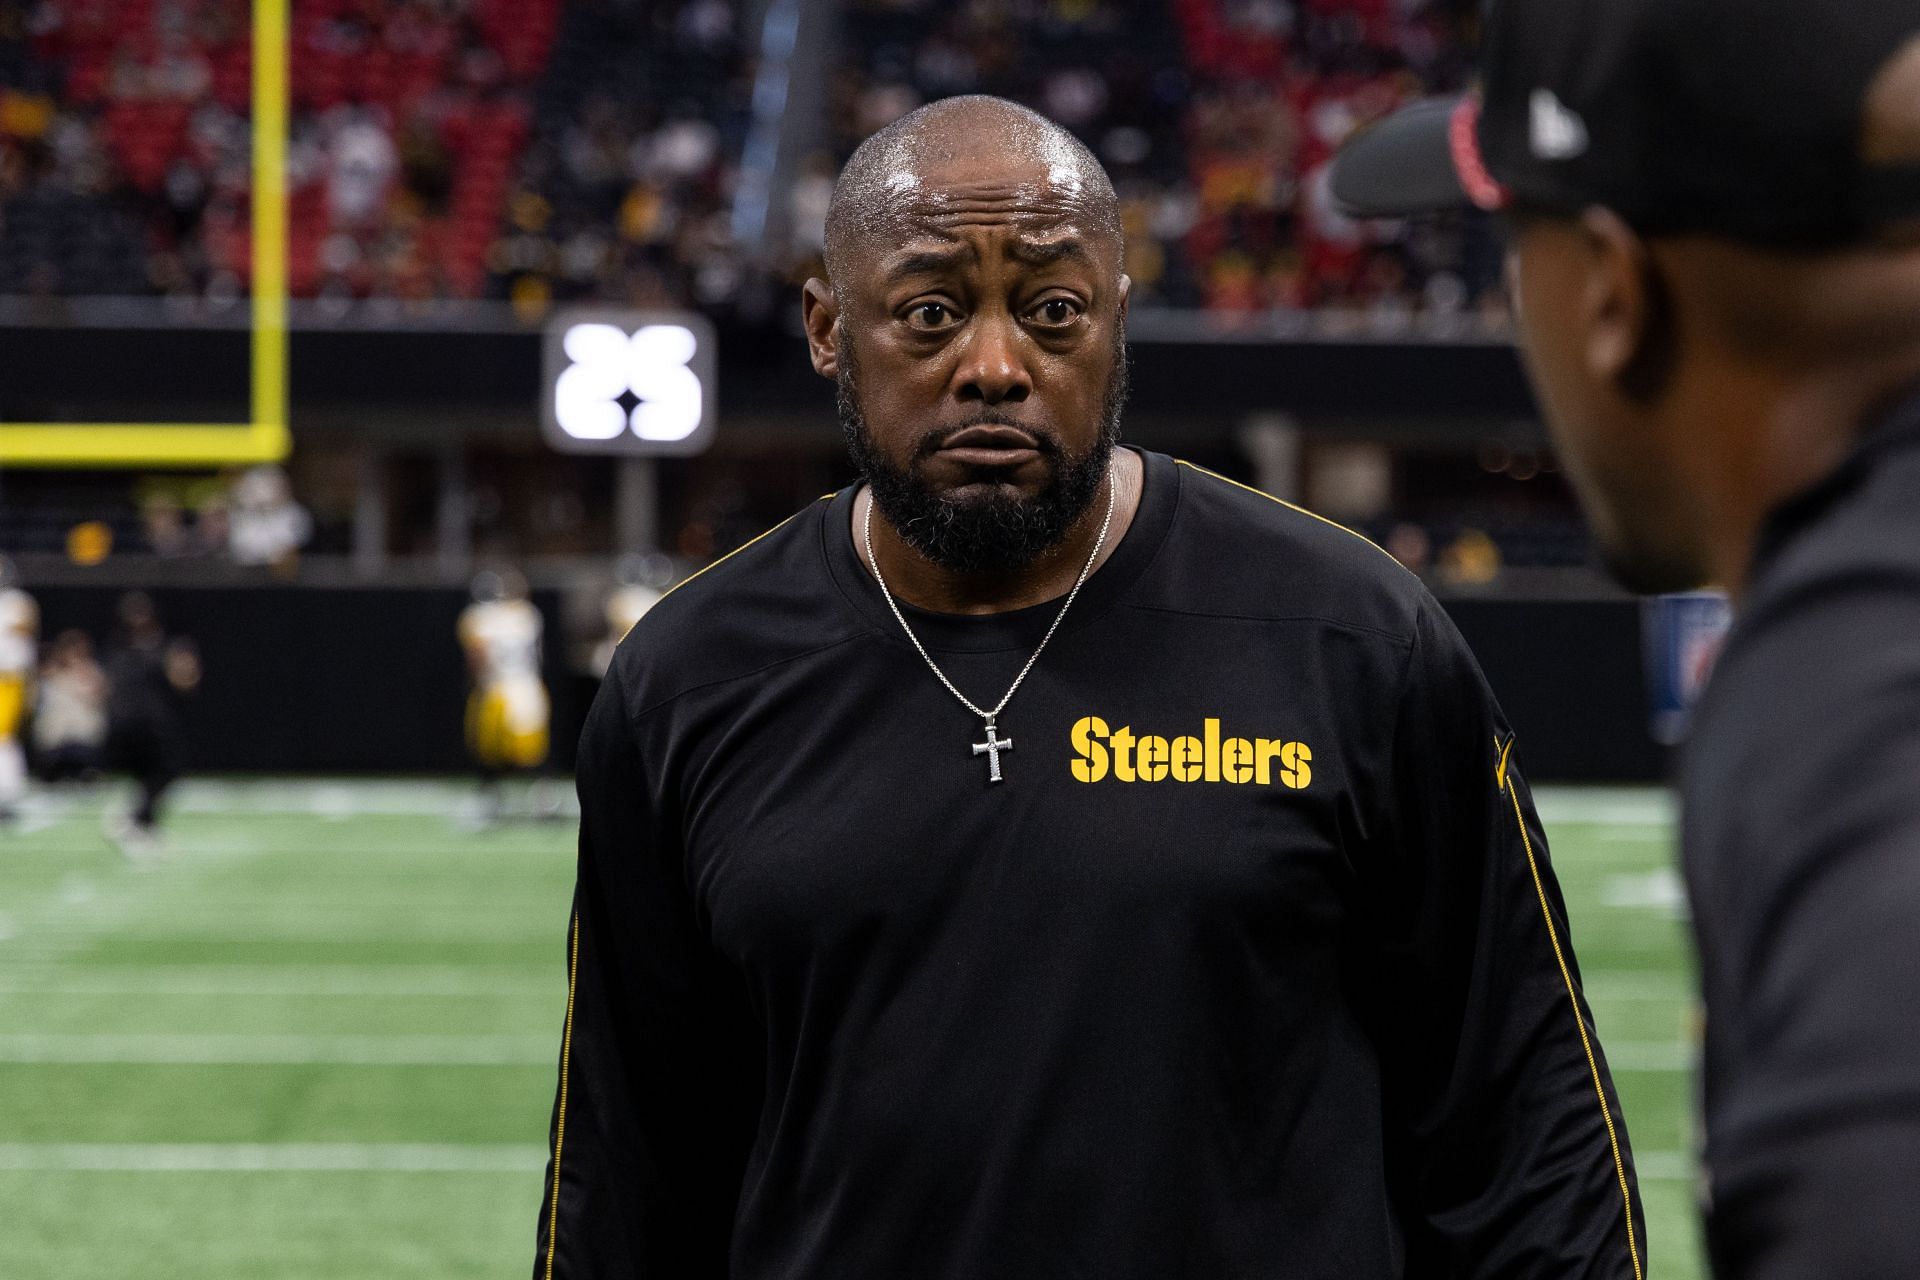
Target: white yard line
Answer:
pixel 406 1157
pixel 444 797
pixel 1638 984
pixel 352 797
pixel 1665 1166
pixel 1605 806
pixel 1653 1056
pixel 285 980
pixel 271 1157
pixel 272 980
pixel 213 1049
pixel 269 1049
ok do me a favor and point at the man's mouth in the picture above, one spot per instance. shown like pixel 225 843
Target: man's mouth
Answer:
pixel 989 446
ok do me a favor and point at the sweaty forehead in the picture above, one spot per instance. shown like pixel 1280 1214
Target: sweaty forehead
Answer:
pixel 944 197
pixel 971 170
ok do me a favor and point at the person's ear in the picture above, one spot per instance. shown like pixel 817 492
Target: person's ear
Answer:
pixel 819 310
pixel 1126 296
pixel 1625 309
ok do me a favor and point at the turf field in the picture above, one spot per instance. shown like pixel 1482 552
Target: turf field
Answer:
pixel 319 1039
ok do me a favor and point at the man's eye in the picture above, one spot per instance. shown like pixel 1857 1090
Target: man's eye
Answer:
pixel 930 315
pixel 1057 312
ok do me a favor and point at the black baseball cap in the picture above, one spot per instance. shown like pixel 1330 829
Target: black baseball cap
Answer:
pixel 1739 118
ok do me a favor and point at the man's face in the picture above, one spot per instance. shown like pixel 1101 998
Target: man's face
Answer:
pixel 1622 451
pixel 976 336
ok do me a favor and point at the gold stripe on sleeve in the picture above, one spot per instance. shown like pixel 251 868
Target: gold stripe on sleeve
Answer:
pixel 742 547
pixel 1573 998
pixel 560 1121
pixel 1298 510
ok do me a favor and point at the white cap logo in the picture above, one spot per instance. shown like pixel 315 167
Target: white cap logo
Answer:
pixel 1556 132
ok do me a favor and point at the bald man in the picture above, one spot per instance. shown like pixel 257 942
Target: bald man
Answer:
pixel 1716 261
pixel 1044 859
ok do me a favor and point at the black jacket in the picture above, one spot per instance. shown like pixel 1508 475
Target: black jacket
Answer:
pixel 1254 966
pixel 1802 849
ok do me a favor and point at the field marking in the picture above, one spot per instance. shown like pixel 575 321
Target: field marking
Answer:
pixel 407 1157
pixel 328 798
pixel 339 798
pixel 1606 806
pixel 220 1049
pixel 275 980
pixel 1665 1166
pixel 1652 1056
pixel 271 1157
pixel 270 1049
pixel 364 797
pixel 1601 994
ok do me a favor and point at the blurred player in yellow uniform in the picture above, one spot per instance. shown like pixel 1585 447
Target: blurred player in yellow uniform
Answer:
pixel 508 712
pixel 19 640
pixel 640 582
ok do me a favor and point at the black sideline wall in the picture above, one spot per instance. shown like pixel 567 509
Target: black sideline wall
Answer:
pixel 309 679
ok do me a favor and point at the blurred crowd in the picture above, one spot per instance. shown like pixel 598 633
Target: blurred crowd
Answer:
pixel 125 143
pixel 540 151
pixel 1216 119
pixel 624 193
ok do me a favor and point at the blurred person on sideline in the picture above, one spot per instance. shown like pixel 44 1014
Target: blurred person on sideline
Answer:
pixel 19 638
pixel 508 711
pixel 166 527
pixel 265 526
pixel 1472 559
pixel 639 582
pixel 147 673
pixel 1408 543
pixel 70 711
pixel 1715 259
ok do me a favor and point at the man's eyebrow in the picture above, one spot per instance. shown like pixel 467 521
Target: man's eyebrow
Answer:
pixel 1044 253
pixel 923 262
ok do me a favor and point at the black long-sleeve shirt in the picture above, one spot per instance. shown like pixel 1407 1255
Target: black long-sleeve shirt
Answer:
pixel 1253 966
pixel 1802 850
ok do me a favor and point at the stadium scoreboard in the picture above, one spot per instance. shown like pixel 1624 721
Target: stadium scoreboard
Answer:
pixel 629 382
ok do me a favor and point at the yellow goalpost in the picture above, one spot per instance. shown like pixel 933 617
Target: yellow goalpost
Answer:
pixel 264 438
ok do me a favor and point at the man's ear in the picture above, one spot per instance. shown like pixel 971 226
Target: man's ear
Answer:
pixel 1625 308
pixel 819 310
pixel 1126 296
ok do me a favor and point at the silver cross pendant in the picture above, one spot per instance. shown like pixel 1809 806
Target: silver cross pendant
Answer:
pixel 991 749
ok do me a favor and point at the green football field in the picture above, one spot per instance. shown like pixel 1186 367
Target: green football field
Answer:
pixel 319 1038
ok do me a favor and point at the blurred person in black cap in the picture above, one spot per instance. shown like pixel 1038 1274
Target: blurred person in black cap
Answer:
pixel 147 673
pixel 1715 208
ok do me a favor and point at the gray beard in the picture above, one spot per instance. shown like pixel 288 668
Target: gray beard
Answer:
pixel 1003 531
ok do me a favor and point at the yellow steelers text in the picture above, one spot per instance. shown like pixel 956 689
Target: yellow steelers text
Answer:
pixel 1101 752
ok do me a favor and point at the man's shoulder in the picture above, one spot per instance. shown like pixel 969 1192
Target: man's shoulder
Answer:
pixel 767 600
pixel 1240 552
pixel 1818 689
pixel 1831 621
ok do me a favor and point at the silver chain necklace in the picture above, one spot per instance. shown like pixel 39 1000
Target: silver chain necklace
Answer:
pixel 994 744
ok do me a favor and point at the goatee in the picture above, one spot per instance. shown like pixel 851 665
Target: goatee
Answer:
pixel 1000 530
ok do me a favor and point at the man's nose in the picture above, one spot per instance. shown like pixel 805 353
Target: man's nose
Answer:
pixel 993 367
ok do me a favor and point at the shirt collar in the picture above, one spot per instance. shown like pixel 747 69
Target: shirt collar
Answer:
pixel 1891 430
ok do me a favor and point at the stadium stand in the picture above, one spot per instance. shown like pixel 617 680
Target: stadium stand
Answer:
pixel 623 193
pixel 505 148
pixel 127 163
pixel 1216 119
